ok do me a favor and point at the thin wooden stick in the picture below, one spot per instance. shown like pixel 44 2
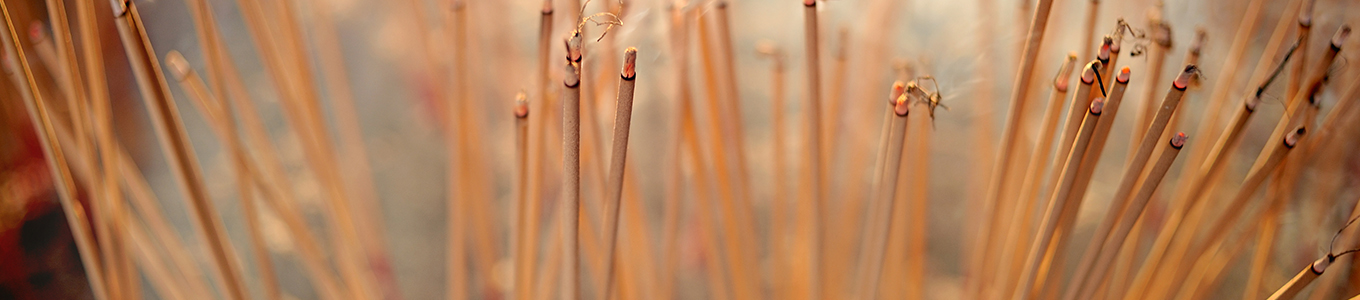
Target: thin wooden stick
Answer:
pixel 1092 271
pixel 571 171
pixel 152 264
pixel 220 114
pixel 1089 29
pixel 871 259
pixel 898 88
pixel 17 65
pixel 733 103
pixel 779 213
pixel 1036 167
pixel 524 255
pixel 980 259
pixel 1046 231
pixel 1267 163
pixel 68 76
pixel 1161 38
pixel 1134 169
pixel 174 140
pixel 1302 279
pixel 1265 245
pixel 1085 168
pixel 618 157
pixel 816 286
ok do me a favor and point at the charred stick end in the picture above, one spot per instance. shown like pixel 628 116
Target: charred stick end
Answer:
pixel 1179 140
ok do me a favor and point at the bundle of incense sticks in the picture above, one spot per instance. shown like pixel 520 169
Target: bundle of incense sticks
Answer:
pixel 681 149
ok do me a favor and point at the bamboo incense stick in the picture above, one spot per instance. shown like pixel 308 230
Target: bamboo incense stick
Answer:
pixel 545 107
pixel 217 112
pixel 1161 40
pixel 1315 269
pixel 898 88
pixel 911 220
pixel 816 222
pixel 68 77
pixel 1089 28
pixel 1267 163
pixel 1014 118
pixel 571 171
pixel 1134 169
pixel 871 260
pixel 1092 271
pixel 1049 222
pixel 174 140
pixel 153 265
pixel 1265 244
pixel 1037 164
pixel 618 157
pixel 38 114
pixel 1296 74
pixel 527 212
pixel 733 103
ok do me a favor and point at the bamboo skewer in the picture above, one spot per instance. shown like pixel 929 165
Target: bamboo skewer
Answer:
pixel 175 142
pixel 1036 166
pixel 618 157
pixel 871 260
pixel 1091 272
pixel 220 114
pixel 17 66
pixel 1049 225
pixel 1014 118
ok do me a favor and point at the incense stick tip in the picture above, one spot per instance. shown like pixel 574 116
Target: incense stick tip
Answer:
pixel 809 3
pixel 630 63
pixel 901 108
pixel 1178 141
pixel 1201 35
pixel 1183 80
pixel 1292 138
pixel 1123 75
pixel 1088 75
pixel 36 33
pixel 177 64
pixel 1097 105
pixel 521 105
pixel 120 7
pixel 898 88
pixel 1105 49
pixel 1340 38
pixel 722 4
pixel 573 44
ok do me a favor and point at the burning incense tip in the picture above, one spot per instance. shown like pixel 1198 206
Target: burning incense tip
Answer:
pixel 177 64
pixel 1341 36
pixel 722 4
pixel 898 88
pixel 521 105
pixel 1104 55
pixel 1123 75
pixel 1293 138
pixel 547 7
pixel 573 45
pixel 1097 105
pixel 901 108
pixel 1183 80
pixel 35 32
pixel 1178 141
pixel 1321 264
pixel 810 2
pixel 1060 81
pixel 1088 75
pixel 1200 36
pixel 629 63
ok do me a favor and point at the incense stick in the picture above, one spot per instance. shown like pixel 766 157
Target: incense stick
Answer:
pixel 618 157
pixel 733 107
pixel 174 140
pixel 1014 118
pixel 571 171
pixel 1037 165
pixel 56 162
pixel 527 212
pixel 871 260
pixel 1104 247
pixel 1161 39
pixel 1049 222
pixel 220 114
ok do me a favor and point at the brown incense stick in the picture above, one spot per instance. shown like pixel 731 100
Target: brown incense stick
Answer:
pixel 1049 225
pixel 871 259
pixel 1134 169
pixel 526 228
pixel 38 114
pixel 1014 117
pixel 618 156
pixel 813 244
pixel 1161 40
pixel 1265 246
pixel 1037 165
pixel 174 140
pixel 220 114
pixel 571 171
pixel 732 92
pixel 1110 239
pixel 1209 120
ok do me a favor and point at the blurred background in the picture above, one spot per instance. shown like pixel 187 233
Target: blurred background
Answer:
pixel 415 72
